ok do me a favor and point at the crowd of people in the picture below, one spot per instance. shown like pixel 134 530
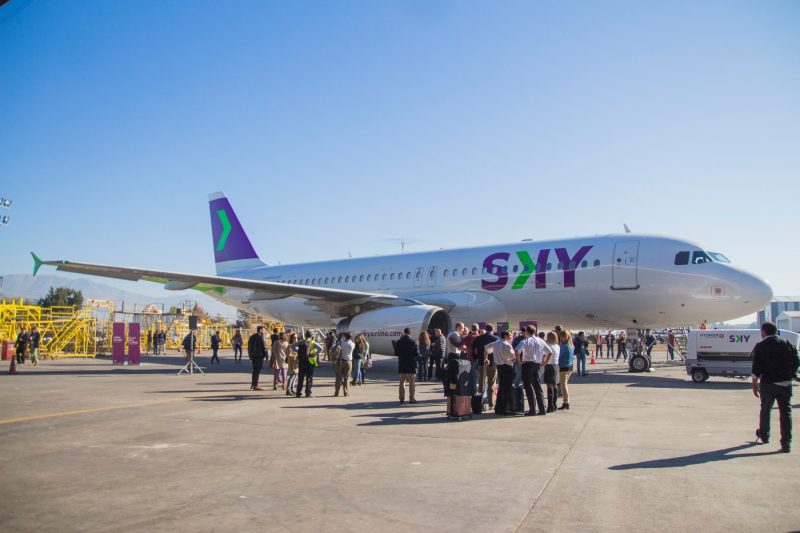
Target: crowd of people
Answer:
pixel 498 364
pixel 294 360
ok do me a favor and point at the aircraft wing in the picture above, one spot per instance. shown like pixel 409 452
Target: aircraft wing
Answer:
pixel 336 302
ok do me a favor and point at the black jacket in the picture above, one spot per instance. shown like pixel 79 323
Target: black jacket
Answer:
pixel 214 342
pixel 774 360
pixel 256 347
pixel 438 345
pixel 479 345
pixel 406 351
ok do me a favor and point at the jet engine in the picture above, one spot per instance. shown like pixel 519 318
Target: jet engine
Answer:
pixel 383 327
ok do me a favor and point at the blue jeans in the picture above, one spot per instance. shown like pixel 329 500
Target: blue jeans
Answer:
pixel 357 370
pixel 581 361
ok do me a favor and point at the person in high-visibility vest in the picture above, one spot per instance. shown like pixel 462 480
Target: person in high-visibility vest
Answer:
pixel 308 352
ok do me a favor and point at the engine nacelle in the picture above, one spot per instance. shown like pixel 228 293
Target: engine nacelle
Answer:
pixel 383 327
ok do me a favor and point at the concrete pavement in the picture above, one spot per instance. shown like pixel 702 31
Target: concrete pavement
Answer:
pixel 91 447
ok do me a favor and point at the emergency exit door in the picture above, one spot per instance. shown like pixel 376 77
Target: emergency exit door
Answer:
pixel 624 270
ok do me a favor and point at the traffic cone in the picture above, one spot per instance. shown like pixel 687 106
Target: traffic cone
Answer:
pixel 591 362
pixel 13 368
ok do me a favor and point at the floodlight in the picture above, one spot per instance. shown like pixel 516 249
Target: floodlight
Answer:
pixel 6 202
pixel 4 220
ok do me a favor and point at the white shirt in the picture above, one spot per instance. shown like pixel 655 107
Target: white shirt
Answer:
pixel 503 352
pixel 454 343
pixel 347 349
pixel 556 349
pixel 533 349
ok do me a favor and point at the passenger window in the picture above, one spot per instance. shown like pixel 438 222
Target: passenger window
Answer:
pixel 698 258
pixel 484 270
pixel 307 280
pixel 516 267
pixel 464 272
pixel 474 271
pixel 400 275
pixel 682 258
pixel 347 279
pixel 597 262
pixel 584 264
pixel 559 266
pixel 572 265
pixel 384 277
pixel 369 277
pixel 391 277
pixel 549 267
pixel 361 277
pixel 444 274
pixel 455 272
pixel 408 275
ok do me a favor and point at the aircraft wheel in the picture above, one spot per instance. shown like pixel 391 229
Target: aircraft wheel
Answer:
pixel 639 363
pixel 699 375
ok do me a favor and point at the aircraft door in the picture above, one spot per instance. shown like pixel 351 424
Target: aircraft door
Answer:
pixel 432 276
pixel 418 277
pixel 624 269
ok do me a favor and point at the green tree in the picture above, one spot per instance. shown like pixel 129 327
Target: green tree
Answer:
pixel 62 296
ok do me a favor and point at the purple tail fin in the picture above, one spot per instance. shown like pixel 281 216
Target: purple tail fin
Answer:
pixel 232 248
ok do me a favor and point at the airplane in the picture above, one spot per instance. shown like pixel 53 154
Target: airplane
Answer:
pixel 613 281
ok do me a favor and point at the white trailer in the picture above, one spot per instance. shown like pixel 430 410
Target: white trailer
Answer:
pixel 724 352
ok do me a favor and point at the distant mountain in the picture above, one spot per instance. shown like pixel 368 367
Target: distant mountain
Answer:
pixel 33 288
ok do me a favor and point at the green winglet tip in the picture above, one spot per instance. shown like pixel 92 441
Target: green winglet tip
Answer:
pixel 37 263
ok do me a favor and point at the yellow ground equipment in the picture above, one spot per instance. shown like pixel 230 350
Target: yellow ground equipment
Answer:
pixel 64 331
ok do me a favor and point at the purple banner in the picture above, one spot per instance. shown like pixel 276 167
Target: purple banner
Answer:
pixel 118 343
pixel 134 349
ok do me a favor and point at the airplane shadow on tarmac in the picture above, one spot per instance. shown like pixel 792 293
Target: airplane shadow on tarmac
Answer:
pixel 725 454
pixel 655 381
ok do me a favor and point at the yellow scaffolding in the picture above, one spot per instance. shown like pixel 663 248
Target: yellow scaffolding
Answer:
pixel 64 331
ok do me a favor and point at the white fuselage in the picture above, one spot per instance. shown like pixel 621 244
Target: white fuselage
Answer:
pixel 615 281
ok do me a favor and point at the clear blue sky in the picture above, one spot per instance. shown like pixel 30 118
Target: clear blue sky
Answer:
pixel 333 125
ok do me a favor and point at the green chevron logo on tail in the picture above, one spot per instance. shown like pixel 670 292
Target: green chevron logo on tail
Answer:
pixel 226 229
pixel 37 263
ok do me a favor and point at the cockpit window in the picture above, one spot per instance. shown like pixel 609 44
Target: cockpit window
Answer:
pixel 698 258
pixel 718 257
pixel 682 258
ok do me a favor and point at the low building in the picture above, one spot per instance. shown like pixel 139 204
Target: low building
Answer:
pixel 789 320
pixel 777 306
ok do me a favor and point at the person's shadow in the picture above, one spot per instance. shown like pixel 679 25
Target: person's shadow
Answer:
pixel 724 454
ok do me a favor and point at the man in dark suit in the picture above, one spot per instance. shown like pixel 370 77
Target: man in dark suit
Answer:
pixel 214 347
pixel 407 351
pixel 257 351
pixel 775 364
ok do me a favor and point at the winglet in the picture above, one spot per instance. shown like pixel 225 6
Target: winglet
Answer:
pixel 37 263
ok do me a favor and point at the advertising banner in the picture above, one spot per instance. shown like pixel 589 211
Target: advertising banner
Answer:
pixel 134 349
pixel 118 343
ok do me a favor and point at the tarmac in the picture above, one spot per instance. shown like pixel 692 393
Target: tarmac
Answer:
pixel 88 446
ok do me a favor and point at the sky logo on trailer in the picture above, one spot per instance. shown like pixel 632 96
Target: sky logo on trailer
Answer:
pixel 739 338
pixel 496 266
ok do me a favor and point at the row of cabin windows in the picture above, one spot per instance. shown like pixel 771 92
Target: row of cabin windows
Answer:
pixel 445 273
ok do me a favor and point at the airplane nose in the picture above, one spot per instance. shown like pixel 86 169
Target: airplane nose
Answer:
pixel 755 291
